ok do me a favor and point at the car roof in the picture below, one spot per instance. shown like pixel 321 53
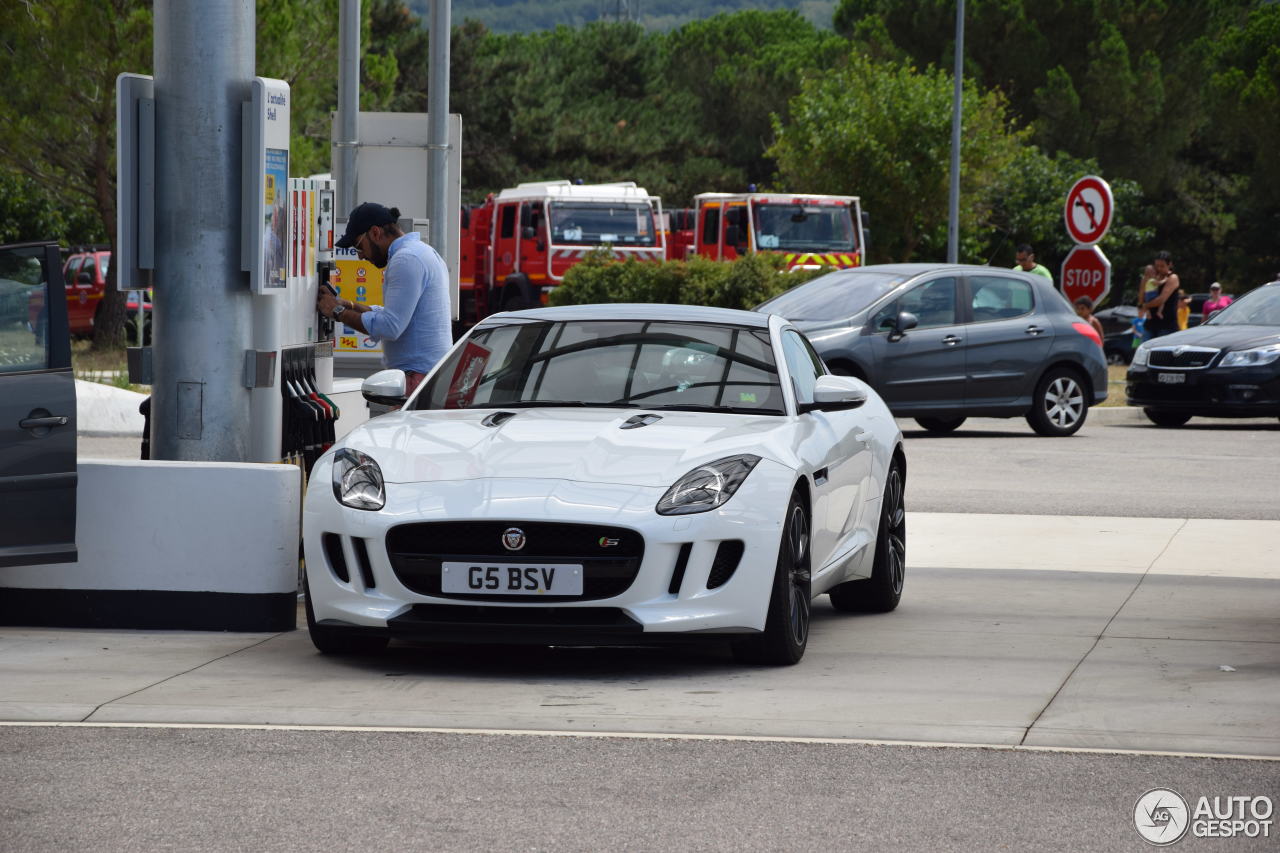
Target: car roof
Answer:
pixel 641 311
pixel 920 268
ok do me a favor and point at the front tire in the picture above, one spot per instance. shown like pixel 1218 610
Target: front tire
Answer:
pixel 1161 418
pixel 331 642
pixel 1058 408
pixel 940 425
pixel 786 629
pixel 881 592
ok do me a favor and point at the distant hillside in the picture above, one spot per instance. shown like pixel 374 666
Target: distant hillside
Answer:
pixel 512 16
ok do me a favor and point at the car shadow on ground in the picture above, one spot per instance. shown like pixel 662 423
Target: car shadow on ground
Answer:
pixel 604 664
pixel 970 433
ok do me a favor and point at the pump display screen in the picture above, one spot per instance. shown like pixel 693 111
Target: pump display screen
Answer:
pixel 804 227
pixel 583 223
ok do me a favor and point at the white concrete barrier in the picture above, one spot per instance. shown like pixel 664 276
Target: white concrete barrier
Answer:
pixel 174 545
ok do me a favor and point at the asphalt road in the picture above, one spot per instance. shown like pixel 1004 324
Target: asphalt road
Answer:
pixel 1206 469
pixel 229 789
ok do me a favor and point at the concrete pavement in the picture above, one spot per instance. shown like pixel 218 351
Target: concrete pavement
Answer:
pixel 1154 634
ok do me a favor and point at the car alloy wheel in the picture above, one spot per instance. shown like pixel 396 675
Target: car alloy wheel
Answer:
pixel 1058 408
pixel 786 629
pixel 881 592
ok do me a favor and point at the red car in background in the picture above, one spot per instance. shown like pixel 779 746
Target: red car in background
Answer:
pixel 85 274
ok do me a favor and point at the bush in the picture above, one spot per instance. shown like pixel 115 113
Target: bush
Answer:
pixel 743 283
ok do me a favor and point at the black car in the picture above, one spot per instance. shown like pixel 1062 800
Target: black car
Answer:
pixel 1117 329
pixel 944 342
pixel 1228 367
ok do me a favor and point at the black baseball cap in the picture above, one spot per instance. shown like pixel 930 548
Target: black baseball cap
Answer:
pixel 364 217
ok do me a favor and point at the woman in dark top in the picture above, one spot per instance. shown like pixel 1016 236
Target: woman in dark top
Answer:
pixel 1162 310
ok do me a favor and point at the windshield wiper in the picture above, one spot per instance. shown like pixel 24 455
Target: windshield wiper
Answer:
pixel 686 407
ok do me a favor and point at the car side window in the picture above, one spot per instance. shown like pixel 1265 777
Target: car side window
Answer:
pixel 24 314
pixel 999 298
pixel 802 363
pixel 933 303
pixel 73 270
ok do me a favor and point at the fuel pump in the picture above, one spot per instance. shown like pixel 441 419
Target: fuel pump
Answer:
pixel 294 414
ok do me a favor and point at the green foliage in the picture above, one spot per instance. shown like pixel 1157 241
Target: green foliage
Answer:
pixel 523 16
pixel 742 284
pixel 882 131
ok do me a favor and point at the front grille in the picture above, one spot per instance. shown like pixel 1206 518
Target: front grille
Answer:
pixel 610 556
pixel 1183 358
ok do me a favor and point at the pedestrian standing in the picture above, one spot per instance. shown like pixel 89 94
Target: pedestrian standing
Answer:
pixel 1162 308
pixel 1026 261
pixel 1084 308
pixel 1216 302
pixel 414 322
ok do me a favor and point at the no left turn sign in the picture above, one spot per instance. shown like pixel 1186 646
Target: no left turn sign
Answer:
pixel 1088 211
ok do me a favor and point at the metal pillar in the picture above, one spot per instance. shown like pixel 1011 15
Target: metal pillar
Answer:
pixel 953 219
pixel 204 60
pixel 438 125
pixel 348 105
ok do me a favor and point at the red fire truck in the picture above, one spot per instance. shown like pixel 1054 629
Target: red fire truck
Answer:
pixel 808 230
pixel 518 245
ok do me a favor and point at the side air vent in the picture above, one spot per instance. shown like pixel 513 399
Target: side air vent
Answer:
pixel 497 419
pixel 332 543
pixel 725 564
pixel 362 557
pixel 637 421
pixel 682 562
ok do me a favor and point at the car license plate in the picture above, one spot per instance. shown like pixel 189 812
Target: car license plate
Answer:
pixel 1171 378
pixel 511 579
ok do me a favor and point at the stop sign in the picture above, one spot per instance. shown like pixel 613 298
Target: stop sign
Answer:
pixel 1086 272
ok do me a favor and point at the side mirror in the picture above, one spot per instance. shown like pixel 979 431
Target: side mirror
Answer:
pixel 385 388
pixel 899 325
pixel 836 394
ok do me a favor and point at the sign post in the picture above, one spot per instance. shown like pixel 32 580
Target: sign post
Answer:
pixel 1087 213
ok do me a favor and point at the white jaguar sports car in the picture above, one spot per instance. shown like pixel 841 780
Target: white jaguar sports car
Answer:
pixel 609 474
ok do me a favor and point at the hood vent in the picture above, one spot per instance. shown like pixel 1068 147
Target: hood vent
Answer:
pixel 497 419
pixel 637 421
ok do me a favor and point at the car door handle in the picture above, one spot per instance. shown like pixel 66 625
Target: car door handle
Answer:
pixel 1034 330
pixel 950 340
pixel 50 421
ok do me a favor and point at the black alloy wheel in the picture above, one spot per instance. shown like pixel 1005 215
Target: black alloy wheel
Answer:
pixel 1059 407
pixel 881 592
pixel 1163 418
pixel 940 425
pixel 786 630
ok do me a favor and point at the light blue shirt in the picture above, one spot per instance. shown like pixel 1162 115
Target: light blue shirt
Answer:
pixel 414 322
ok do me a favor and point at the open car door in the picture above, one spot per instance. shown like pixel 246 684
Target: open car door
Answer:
pixel 37 410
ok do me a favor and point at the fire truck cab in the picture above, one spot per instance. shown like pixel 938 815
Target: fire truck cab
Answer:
pixel 808 230
pixel 526 238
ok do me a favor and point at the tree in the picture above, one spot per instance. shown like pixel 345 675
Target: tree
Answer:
pixel 59 60
pixel 882 131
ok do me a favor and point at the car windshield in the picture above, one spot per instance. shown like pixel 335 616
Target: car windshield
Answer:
pixel 833 296
pixel 645 364
pixel 826 228
pixel 594 223
pixel 1260 307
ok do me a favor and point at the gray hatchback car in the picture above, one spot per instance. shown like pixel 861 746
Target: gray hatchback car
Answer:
pixel 943 342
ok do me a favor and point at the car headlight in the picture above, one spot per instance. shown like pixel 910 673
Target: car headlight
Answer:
pixel 1251 357
pixel 707 486
pixel 1141 356
pixel 357 480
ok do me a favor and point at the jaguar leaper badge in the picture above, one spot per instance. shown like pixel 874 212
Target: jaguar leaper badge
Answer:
pixel 513 539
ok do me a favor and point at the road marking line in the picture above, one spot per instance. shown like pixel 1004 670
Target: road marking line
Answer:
pixel 833 741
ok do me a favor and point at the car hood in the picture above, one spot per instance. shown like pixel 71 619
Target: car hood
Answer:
pixel 1221 337
pixel 585 445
